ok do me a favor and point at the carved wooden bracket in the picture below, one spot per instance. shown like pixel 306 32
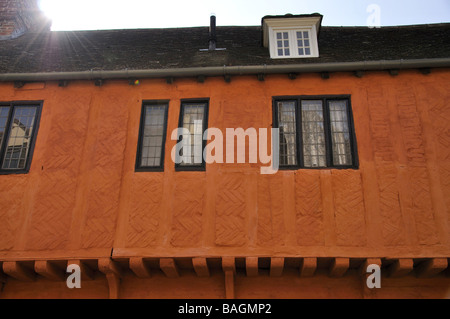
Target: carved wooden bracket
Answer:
pixel 139 267
pixel 339 267
pixel 308 267
pixel 401 267
pixel 49 270
pixel 200 267
pixel 431 267
pixel 276 266
pixel 86 272
pixel 229 268
pixel 18 271
pixel 169 267
pixel 251 265
pixel 113 274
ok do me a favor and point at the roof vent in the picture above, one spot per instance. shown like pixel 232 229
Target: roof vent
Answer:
pixel 212 36
pixel 212 33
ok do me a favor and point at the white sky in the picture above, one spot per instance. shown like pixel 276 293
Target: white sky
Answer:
pixel 121 14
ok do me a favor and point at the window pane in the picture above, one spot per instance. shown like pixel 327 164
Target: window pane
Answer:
pixel 153 135
pixel 288 133
pixel 313 134
pixel 193 120
pixel 19 139
pixel 303 43
pixel 283 44
pixel 4 112
pixel 340 133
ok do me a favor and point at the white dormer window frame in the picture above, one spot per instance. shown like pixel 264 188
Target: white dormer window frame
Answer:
pixel 291 37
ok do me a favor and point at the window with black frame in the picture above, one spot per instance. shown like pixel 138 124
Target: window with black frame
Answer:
pixel 192 125
pixel 152 137
pixel 315 132
pixel 18 127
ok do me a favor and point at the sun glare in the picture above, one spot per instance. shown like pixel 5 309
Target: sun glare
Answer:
pixel 120 14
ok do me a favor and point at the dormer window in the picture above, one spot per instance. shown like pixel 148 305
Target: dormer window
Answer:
pixel 291 36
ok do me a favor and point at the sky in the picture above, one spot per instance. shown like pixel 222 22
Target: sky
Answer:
pixel 124 14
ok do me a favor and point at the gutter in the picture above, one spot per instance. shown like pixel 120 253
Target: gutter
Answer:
pixel 230 70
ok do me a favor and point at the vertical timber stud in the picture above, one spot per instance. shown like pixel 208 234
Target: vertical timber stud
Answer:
pixel 200 267
pixel 229 268
pixel 18 271
pixel 113 274
pixel 138 266
pixel 308 267
pixel 339 267
pixel 276 266
pixel 49 270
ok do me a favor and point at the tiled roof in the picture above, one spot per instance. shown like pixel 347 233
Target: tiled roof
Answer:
pixel 143 49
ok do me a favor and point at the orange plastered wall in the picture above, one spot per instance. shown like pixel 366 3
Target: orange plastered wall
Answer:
pixel 82 192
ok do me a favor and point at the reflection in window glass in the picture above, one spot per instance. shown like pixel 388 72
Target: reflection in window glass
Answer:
pixel 288 133
pixel 153 135
pixel 19 138
pixel 193 121
pixel 4 112
pixel 340 133
pixel 313 133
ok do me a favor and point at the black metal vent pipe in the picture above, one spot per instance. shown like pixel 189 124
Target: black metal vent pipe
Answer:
pixel 212 33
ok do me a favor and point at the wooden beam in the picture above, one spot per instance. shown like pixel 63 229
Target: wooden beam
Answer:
pixel 169 267
pixel 431 267
pixel 276 266
pixel 200 267
pixel 229 264
pixel 2 274
pixel 87 273
pixel 251 266
pixel 366 263
pixel 339 267
pixel 139 267
pixel 401 267
pixel 18 271
pixel 308 267
pixel 49 270
pixel 113 274
pixel 229 284
pixel 366 291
